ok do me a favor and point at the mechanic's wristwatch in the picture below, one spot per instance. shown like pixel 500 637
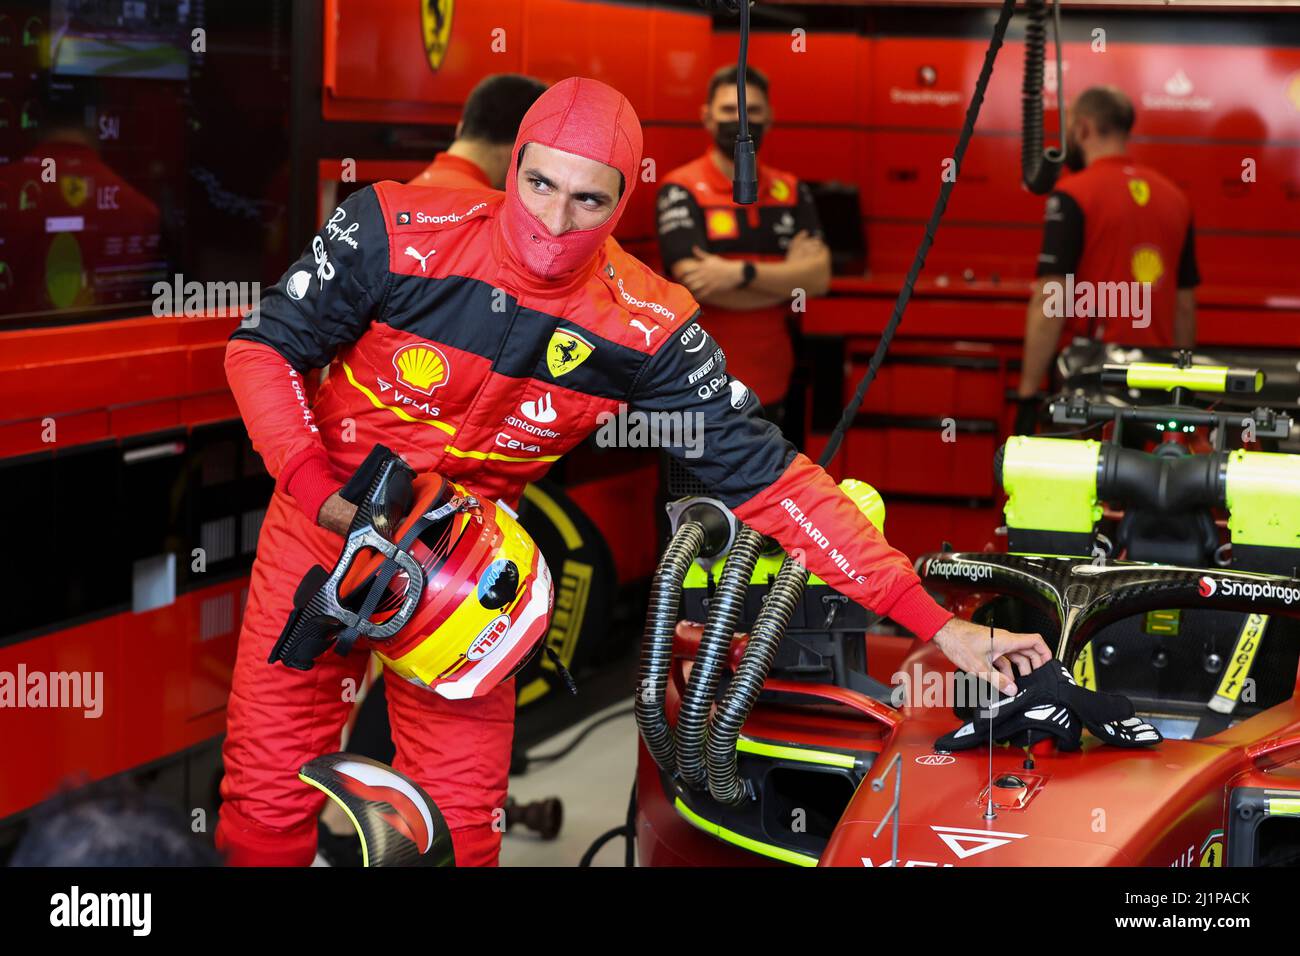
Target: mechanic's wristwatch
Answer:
pixel 748 273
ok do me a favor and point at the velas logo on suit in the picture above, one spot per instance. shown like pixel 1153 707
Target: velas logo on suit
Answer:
pixel 421 367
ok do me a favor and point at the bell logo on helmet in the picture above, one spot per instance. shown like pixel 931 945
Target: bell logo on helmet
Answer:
pixel 1206 587
pixel 422 367
pixel 489 639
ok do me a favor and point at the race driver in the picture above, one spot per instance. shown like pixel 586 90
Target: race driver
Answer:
pixel 479 335
pixel 1113 223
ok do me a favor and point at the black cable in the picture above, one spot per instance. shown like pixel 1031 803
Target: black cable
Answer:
pixel 1058 155
pixel 600 843
pixel 744 179
pixel 628 830
pixel 931 227
pixel 629 851
pixel 569 748
pixel 1072 432
pixel 742 66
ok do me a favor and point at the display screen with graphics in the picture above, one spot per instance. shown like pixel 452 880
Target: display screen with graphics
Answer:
pixel 117 172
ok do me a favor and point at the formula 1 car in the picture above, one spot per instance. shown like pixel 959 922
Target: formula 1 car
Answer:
pixel 1159 561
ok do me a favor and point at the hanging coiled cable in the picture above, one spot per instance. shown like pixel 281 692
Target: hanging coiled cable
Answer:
pixel 657 648
pixel 725 784
pixel 726 607
pixel 1039 167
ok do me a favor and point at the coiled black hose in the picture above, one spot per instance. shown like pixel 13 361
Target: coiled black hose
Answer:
pixel 725 610
pixel 733 710
pixel 1039 168
pixel 657 648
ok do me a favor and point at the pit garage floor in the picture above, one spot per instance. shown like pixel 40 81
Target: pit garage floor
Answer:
pixel 594 781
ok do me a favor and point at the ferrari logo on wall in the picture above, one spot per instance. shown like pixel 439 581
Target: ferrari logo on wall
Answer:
pixel 435 19
pixel 566 351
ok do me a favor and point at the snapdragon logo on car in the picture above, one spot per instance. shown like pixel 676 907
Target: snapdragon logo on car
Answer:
pixel 1251 590
pixel 960 569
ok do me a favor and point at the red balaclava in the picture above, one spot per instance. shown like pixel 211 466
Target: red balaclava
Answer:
pixel 587 118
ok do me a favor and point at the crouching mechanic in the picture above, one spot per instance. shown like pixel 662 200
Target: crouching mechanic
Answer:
pixel 479 336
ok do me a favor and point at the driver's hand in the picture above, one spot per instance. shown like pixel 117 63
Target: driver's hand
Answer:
pixel 336 514
pixel 968 646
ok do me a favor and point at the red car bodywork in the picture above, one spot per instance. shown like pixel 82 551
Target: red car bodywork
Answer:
pixel 1167 806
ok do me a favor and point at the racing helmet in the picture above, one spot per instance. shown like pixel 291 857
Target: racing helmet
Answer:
pixel 486 600
pixel 447 588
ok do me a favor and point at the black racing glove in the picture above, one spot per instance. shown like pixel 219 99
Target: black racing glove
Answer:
pixel 1051 704
pixel 1026 415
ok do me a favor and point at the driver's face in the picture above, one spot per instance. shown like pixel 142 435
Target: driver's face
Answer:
pixel 566 192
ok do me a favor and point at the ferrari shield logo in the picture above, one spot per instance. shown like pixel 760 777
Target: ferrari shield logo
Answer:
pixel 435 20
pixel 75 190
pixel 566 351
pixel 1140 190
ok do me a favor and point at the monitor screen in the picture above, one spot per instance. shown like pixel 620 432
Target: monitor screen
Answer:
pixel 117 122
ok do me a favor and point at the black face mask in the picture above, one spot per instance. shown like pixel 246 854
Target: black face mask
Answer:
pixel 725 137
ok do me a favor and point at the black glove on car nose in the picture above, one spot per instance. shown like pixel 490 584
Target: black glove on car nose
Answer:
pixel 1035 710
pixel 1050 704
pixel 1108 716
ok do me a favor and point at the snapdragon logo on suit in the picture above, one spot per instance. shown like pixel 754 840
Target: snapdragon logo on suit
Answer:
pixel 1207 587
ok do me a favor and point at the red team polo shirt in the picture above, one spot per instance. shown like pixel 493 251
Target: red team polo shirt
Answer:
pixel 452 172
pixel 1121 221
pixel 695 208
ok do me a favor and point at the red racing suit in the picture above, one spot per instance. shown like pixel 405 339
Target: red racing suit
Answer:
pixel 440 346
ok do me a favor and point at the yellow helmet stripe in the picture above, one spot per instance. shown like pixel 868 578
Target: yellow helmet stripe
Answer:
pixel 404 416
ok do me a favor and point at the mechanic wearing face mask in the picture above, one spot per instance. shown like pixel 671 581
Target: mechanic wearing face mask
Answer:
pixel 1113 220
pixel 743 263
pixel 481 336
